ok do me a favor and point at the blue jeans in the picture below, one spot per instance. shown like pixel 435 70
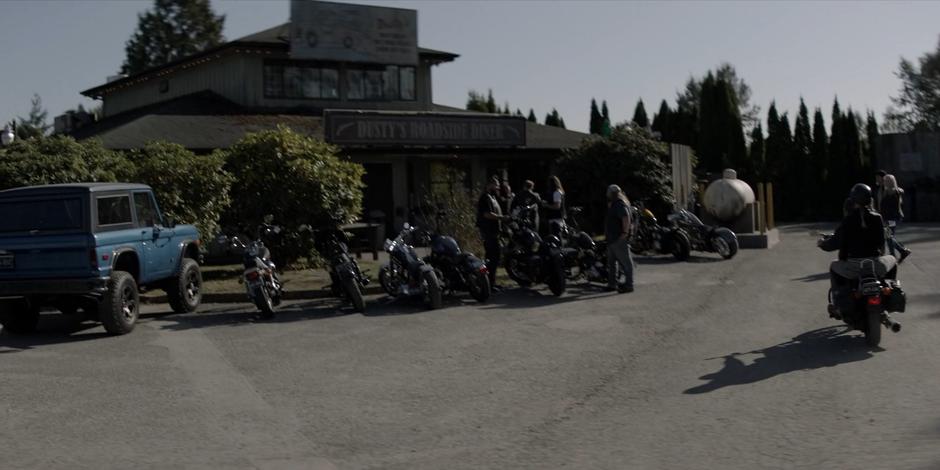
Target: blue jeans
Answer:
pixel 893 243
pixel 618 253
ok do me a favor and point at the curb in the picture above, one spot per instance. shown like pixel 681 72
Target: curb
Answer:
pixel 241 297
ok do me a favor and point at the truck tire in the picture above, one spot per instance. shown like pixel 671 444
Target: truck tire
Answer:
pixel 19 317
pixel 119 309
pixel 184 292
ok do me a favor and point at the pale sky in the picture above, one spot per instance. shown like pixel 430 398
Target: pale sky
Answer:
pixel 534 54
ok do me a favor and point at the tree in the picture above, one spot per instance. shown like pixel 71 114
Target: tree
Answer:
pixel 662 122
pixel 917 105
pixel 639 115
pixel 721 137
pixel 799 176
pixel 323 191
pixel 173 29
pixel 688 99
pixel 605 113
pixel 491 103
pixel 606 128
pixel 819 164
pixel 35 124
pixel 594 127
pixel 554 119
pixel 631 158
pixel 476 102
pixel 756 156
pixel 531 117
pixel 871 141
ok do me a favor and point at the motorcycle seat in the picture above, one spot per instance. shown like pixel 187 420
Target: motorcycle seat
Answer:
pixel 855 268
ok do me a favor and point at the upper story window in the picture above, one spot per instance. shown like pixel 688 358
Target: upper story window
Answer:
pixel 389 83
pixel 300 81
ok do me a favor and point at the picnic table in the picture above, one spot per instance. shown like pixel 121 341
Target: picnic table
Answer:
pixel 366 237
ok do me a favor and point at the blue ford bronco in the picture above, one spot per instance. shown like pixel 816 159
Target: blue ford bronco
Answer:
pixel 89 249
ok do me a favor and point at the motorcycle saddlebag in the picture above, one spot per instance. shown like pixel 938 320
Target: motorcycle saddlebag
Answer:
pixel 896 301
pixel 843 300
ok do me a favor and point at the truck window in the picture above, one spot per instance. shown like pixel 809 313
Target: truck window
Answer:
pixel 146 212
pixel 114 210
pixel 52 214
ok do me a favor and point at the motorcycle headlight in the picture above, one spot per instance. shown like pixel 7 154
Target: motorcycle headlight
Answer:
pixel 388 244
pixel 535 246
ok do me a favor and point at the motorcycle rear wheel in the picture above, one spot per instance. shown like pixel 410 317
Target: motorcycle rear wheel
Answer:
pixel 873 334
pixel 681 245
pixel 556 281
pixel 479 287
pixel 725 244
pixel 434 291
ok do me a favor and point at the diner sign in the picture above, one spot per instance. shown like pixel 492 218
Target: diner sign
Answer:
pixel 424 129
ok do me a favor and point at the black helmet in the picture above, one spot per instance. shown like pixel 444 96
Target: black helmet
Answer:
pixel 860 194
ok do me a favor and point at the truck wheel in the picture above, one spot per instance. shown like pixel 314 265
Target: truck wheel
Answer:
pixel 120 307
pixel 184 292
pixel 19 317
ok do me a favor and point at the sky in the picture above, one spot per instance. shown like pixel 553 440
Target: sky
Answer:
pixel 534 54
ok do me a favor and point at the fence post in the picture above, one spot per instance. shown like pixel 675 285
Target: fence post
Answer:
pixel 771 223
pixel 761 208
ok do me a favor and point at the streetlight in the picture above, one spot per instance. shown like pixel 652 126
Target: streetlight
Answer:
pixel 7 136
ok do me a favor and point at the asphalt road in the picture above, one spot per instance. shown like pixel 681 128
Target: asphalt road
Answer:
pixel 709 364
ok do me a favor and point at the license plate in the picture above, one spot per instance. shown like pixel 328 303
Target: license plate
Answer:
pixel 6 262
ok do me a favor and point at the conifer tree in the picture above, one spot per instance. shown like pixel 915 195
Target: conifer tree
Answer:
pixel 595 125
pixel 172 30
pixel 532 117
pixel 640 118
pixel 819 174
pixel 756 156
pixel 662 122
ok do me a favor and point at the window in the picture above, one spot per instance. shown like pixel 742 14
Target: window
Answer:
pixel 389 83
pixel 299 81
pixel 114 210
pixel 53 214
pixel 146 212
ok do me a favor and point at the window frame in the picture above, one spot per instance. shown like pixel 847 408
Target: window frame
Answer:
pixel 301 65
pixel 116 226
pixel 158 221
pixel 383 69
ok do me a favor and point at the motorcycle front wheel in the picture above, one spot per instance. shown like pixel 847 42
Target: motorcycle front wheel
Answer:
pixel 479 287
pixel 556 280
pixel 263 302
pixel 681 245
pixel 355 295
pixel 725 244
pixel 434 291
pixel 386 280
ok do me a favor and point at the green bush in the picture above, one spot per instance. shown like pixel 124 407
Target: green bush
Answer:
pixel 450 209
pixel 60 159
pixel 630 158
pixel 190 188
pixel 302 182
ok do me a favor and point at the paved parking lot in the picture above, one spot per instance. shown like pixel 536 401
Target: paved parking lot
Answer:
pixel 709 364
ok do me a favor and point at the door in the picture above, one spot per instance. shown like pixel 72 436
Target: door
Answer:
pixel 159 253
pixel 378 204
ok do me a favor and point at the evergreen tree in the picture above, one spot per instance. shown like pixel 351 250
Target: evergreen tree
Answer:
pixel 838 180
pixel 819 176
pixel 550 121
pixel 35 124
pixel 853 148
pixel 871 142
pixel 721 136
pixel 476 102
pixel 173 29
pixel 596 119
pixel 554 119
pixel 532 117
pixel 639 115
pixel 799 175
pixel 775 145
pixel 605 113
pixel 561 123
pixel 491 106
pixel 662 122
pixel 756 156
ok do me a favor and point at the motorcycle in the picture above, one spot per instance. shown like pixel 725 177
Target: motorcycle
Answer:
pixel 407 275
pixel 579 250
pixel 261 280
pixel 347 280
pixel 458 270
pixel 650 237
pixel 530 259
pixel 705 237
pixel 868 298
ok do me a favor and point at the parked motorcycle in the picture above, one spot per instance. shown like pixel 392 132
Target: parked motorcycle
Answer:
pixel 578 248
pixel 705 237
pixel 347 280
pixel 530 259
pixel 261 279
pixel 869 296
pixel 650 237
pixel 458 270
pixel 407 275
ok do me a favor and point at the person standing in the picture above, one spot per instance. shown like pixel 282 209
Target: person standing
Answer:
pixel 489 217
pixel 617 229
pixel 505 197
pixel 555 206
pixel 891 200
pixel 526 198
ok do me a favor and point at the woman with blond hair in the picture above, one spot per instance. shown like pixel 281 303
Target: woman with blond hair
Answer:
pixel 891 211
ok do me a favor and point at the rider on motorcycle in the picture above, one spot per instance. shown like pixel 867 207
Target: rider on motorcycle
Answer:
pixel 860 236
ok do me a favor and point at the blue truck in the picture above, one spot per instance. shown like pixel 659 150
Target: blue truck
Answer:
pixel 90 249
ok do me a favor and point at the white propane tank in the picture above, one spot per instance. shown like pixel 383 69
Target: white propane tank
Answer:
pixel 726 199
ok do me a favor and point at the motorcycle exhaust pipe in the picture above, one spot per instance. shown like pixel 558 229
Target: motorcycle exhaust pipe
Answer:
pixel 890 323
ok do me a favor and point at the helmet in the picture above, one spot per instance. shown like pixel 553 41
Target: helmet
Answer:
pixel 860 194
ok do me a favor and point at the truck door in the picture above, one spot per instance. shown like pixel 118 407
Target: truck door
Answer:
pixel 160 255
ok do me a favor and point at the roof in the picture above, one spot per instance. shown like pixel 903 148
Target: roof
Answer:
pixel 78 187
pixel 276 37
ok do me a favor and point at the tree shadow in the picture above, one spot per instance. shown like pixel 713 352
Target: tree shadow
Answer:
pixel 812 277
pixel 824 347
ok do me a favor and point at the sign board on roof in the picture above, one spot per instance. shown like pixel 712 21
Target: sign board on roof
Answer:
pixel 353 33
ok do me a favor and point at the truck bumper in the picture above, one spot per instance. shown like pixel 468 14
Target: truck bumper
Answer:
pixel 94 286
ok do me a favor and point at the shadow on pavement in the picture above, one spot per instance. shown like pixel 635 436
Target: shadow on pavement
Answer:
pixel 540 296
pixel 825 347
pixel 53 329
pixel 812 277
